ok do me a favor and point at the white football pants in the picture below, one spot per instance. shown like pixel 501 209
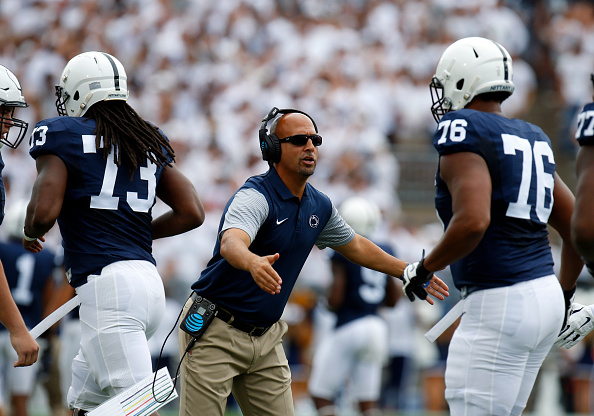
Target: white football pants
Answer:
pixel 120 309
pixel 354 352
pixel 496 351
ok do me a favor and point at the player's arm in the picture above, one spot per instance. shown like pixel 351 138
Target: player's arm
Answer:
pixel 365 253
pixel 23 343
pixel 336 292
pixel 469 182
pixel 560 219
pixel 393 292
pixel 582 222
pixel 46 199
pixel 186 213
pixel 235 249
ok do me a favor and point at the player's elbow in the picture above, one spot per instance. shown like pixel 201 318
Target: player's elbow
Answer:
pixel 476 226
pixel 193 215
pixel 197 217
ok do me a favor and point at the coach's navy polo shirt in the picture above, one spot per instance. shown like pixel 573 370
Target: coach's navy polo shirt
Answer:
pixel 291 229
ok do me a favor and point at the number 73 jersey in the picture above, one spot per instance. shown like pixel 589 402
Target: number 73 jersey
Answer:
pixel 520 160
pixel 106 215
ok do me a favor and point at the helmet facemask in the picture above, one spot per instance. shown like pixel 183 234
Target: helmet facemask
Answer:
pixel 13 129
pixel 439 101
pixel 62 97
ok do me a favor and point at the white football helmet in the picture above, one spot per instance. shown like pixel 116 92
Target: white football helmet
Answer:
pixel 361 214
pixel 467 68
pixel 88 78
pixel 13 130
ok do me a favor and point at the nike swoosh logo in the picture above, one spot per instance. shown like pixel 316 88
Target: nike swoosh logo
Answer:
pixel 281 221
pixel 586 323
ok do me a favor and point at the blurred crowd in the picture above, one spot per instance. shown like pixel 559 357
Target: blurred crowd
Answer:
pixel 206 72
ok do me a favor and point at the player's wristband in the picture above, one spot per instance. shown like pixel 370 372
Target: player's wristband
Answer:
pixel 26 237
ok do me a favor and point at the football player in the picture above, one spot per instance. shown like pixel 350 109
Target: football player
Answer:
pixel 12 131
pixel 355 352
pixel 580 319
pixel 496 191
pixel 100 168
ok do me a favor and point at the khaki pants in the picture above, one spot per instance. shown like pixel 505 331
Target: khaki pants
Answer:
pixel 227 360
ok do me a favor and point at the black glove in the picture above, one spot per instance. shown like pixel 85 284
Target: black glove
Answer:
pixel 415 278
pixel 568 296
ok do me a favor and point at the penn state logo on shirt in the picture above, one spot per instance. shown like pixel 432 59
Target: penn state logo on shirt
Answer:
pixel 314 221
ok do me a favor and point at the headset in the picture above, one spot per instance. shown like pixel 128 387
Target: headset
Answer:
pixel 269 143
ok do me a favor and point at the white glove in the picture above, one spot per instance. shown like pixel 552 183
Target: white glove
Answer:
pixel 416 278
pixel 580 321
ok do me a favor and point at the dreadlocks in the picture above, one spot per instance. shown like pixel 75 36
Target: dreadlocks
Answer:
pixel 132 138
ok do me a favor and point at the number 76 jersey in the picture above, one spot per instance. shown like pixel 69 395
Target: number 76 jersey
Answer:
pixel 520 160
pixel 106 215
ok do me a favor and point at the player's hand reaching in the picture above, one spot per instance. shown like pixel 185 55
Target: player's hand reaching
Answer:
pixel 580 321
pixel 34 246
pixel 418 281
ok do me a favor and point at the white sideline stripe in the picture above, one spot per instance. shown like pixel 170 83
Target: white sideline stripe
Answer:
pixel 54 317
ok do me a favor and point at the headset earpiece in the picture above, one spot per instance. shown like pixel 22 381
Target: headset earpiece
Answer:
pixel 269 143
pixel 270 147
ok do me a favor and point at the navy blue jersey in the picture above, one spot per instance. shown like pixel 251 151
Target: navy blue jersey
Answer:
pixel 365 289
pixel 293 238
pixel 585 128
pixel 106 215
pixel 27 275
pixel 518 154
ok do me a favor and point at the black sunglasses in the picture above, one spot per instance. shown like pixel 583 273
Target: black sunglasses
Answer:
pixel 301 139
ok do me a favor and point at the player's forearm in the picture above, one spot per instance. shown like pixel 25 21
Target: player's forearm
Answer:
pixel 39 220
pixel 582 221
pixel 459 240
pixel 47 195
pixel 571 266
pixel 172 223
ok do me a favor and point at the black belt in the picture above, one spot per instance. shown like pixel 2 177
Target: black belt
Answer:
pixel 228 318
